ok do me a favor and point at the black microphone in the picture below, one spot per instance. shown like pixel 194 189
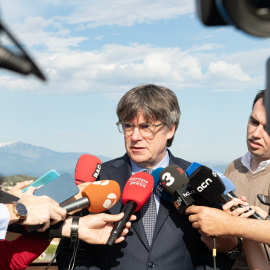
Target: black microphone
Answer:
pixel 175 181
pixel 264 199
pixel 207 183
pixel 210 186
pixel 22 64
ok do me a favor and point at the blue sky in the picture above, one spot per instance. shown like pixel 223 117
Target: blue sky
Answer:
pixel 92 52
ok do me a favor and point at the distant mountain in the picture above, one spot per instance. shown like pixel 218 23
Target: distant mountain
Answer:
pixel 21 158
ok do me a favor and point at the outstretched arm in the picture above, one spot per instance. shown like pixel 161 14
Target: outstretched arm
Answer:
pixel 96 228
pixel 215 222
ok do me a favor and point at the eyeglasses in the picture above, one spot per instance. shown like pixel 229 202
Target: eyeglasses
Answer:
pixel 147 130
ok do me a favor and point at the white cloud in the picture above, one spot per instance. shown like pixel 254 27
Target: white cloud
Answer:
pixel 45 33
pixel 116 67
pixel 126 13
pixel 222 70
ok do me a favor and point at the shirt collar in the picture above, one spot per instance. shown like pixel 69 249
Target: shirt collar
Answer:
pixel 163 164
pixel 246 160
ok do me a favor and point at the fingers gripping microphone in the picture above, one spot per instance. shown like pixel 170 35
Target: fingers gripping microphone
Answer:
pixel 87 169
pixel 98 196
pixel 228 194
pixel 214 185
pixel 135 194
pixel 175 182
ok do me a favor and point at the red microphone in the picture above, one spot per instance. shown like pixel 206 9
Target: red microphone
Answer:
pixel 87 169
pixel 98 196
pixel 135 194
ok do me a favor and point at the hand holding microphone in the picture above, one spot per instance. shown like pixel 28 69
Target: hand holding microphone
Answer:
pixel 96 228
pixel 98 196
pixel 136 192
pixel 213 185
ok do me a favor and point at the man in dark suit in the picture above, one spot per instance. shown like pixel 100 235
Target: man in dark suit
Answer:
pixel 148 118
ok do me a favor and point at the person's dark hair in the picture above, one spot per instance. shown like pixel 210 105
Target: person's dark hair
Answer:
pixel 259 95
pixel 155 102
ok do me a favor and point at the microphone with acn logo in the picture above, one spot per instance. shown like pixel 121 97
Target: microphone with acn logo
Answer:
pixel 135 194
pixel 175 181
pixel 210 183
pixel 87 169
pixel 207 183
pixel 98 196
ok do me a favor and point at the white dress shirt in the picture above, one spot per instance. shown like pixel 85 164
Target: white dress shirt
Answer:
pixel 246 160
pixel 4 220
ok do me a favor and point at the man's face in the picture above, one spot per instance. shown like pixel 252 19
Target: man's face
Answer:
pixel 258 140
pixel 144 151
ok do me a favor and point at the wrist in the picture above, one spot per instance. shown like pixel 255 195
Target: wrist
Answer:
pixel 17 212
pixel 236 252
pixel 66 227
pixel 74 228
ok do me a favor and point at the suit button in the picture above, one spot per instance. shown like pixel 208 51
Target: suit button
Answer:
pixel 150 264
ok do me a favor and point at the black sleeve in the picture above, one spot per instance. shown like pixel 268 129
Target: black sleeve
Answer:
pixel 5 197
pixel 83 259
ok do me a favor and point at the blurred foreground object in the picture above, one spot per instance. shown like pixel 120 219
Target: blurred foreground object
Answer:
pixel 250 16
pixel 21 63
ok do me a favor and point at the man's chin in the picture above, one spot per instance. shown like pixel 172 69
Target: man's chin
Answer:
pixel 138 158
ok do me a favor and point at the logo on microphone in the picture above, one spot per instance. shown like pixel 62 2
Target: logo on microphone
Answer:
pixel 101 182
pixel 138 182
pixel 188 193
pixel 180 170
pixel 178 202
pixel 97 171
pixel 167 177
pixel 204 185
pixel 110 201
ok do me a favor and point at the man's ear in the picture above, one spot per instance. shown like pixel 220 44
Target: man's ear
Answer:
pixel 170 132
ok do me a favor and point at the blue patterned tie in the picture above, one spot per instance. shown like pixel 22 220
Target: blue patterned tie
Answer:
pixel 149 214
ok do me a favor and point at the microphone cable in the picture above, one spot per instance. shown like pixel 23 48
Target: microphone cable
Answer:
pixel 56 253
pixel 214 252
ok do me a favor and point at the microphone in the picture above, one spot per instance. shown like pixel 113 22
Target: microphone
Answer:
pixel 175 181
pixel 135 194
pixel 98 196
pixel 87 169
pixel 158 188
pixel 192 167
pixel 228 194
pixel 22 64
pixel 264 199
pixel 207 183
pixel 212 185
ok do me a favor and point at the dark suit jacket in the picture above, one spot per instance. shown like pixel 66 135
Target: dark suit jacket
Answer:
pixel 176 245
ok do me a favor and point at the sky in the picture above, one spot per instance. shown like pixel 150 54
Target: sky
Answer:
pixel 94 51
